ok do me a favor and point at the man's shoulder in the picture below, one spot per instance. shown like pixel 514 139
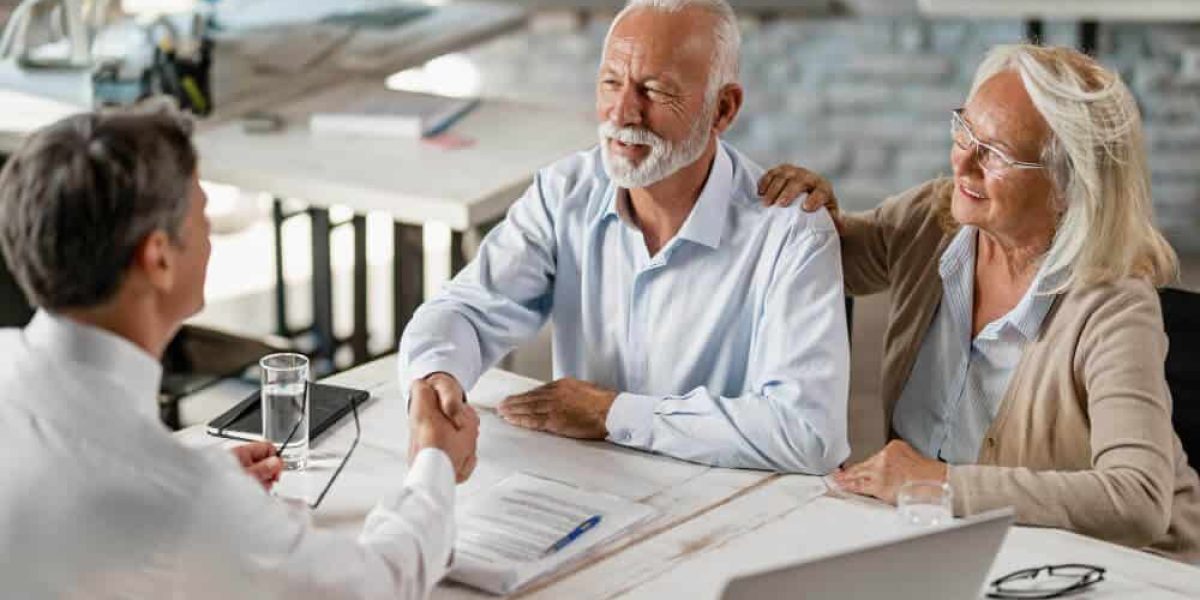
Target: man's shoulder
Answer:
pixel 798 222
pixel 11 340
pixel 15 352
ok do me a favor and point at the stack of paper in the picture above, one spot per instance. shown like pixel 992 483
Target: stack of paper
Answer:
pixel 396 114
pixel 504 534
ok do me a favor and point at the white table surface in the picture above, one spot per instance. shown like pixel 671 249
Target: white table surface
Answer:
pixel 678 490
pixel 768 527
pixel 413 180
pixel 1098 10
pixel 712 523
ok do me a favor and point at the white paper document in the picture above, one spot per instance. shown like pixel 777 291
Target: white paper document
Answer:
pixel 504 533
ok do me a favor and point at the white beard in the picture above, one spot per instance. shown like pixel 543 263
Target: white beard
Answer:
pixel 665 158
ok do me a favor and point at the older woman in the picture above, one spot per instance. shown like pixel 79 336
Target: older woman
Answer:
pixel 1024 353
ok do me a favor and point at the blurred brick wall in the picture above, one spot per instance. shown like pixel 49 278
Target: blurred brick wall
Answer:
pixel 865 99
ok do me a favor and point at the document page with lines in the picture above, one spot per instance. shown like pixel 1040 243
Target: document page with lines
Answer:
pixel 507 536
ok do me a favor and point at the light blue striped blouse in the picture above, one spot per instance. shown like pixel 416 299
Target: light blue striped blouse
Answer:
pixel 957 383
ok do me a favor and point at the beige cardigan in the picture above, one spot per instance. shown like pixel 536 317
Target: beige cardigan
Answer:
pixel 1083 437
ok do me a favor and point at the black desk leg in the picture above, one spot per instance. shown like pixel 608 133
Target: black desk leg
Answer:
pixel 281 320
pixel 408 274
pixel 1034 31
pixel 322 285
pixel 458 253
pixel 1089 37
pixel 358 339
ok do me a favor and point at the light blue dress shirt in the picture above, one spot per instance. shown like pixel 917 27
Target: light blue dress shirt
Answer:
pixel 729 346
pixel 957 383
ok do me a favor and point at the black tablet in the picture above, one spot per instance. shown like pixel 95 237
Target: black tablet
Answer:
pixel 328 403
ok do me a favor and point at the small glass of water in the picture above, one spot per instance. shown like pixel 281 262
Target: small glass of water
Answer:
pixel 285 406
pixel 925 503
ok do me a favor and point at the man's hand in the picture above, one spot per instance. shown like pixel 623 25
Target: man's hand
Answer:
pixel 568 407
pixel 782 185
pixel 451 397
pixel 882 475
pixel 259 461
pixel 430 428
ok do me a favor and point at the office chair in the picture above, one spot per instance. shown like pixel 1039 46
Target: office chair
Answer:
pixel 1181 318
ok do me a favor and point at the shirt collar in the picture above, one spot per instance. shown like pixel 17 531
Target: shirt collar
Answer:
pixel 102 352
pixel 958 265
pixel 706 223
pixel 959 254
pixel 1027 316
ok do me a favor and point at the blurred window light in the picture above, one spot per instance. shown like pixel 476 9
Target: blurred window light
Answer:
pixel 452 75
pixel 137 7
pixel 222 199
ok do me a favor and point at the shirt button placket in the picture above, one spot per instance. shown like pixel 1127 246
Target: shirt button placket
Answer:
pixel 635 359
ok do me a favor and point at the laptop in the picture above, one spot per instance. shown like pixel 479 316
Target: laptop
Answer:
pixel 950 561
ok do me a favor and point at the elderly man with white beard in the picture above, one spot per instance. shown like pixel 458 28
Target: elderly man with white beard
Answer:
pixel 689 319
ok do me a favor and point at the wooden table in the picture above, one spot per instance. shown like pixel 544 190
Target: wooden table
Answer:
pixel 679 490
pixel 712 523
pixel 772 526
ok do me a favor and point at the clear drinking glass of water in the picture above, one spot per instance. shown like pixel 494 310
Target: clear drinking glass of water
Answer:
pixel 925 503
pixel 285 406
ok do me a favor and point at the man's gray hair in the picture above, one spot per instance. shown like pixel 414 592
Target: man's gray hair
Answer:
pixel 81 194
pixel 728 46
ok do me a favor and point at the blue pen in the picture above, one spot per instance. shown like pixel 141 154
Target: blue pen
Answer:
pixel 579 530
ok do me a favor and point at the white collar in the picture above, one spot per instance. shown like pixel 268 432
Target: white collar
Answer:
pixel 102 352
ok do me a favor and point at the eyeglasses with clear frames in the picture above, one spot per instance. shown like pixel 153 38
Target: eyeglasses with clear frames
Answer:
pixel 1049 581
pixel 991 159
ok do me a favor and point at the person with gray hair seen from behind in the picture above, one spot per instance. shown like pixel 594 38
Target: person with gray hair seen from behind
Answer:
pixel 102 223
pixel 689 319
pixel 1024 356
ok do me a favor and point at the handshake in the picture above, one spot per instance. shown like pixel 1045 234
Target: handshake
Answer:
pixel 439 417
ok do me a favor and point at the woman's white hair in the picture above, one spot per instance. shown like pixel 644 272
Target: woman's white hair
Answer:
pixel 727 49
pixel 1096 158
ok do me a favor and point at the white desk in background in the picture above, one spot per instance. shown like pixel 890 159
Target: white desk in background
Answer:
pixel 22 114
pixel 415 182
pixel 292 69
pixel 262 69
pixel 712 523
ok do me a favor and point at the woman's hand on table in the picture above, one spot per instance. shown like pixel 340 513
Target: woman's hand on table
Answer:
pixel 882 475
